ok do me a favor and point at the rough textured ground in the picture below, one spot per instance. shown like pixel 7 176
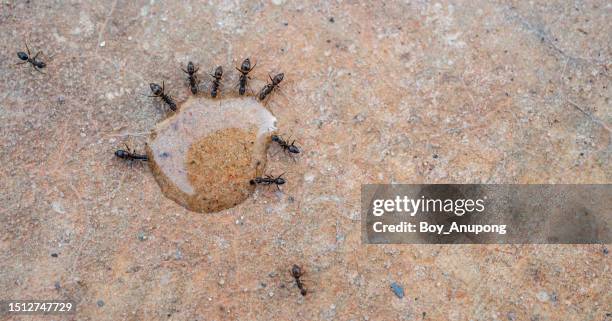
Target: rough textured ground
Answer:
pixel 415 92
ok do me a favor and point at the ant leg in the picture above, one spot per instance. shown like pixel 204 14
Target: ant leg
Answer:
pixel 27 49
pixel 37 69
pixel 292 158
pixel 163 86
pixel 249 87
pixel 36 55
pixel 20 63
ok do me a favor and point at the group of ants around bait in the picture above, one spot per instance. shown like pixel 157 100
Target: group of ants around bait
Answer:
pixel 158 92
pixel 192 77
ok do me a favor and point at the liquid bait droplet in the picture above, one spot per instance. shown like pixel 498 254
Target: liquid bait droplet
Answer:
pixel 204 156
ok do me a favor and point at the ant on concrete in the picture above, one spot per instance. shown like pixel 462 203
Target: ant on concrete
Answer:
pixel 268 88
pixel 130 155
pixel 288 148
pixel 193 78
pixel 269 180
pixel 216 82
pixel 244 70
pixel 296 273
pixel 159 92
pixel 27 58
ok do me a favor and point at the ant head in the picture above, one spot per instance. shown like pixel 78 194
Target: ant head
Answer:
pixel 155 88
pixel 252 182
pixel 22 55
pixel 276 138
pixel 121 153
pixel 278 78
pixel 296 271
pixel 41 64
pixel 219 72
pixel 303 292
pixel 190 67
pixel 246 65
pixel 279 181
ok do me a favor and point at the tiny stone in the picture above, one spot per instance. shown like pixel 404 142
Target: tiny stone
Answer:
pixel 54 254
pixel 100 303
pixel 397 289
pixel 221 282
pixel 142 236
pixel 332 20
pixel 103 43
pixel 542 296
pixel 511 316
pixel 271 294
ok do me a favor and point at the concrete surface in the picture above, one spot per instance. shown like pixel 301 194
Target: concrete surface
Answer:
pixel 409 92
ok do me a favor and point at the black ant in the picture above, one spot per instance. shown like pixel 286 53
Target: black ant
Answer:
pixel 216 82
pixel 244 70
pixel 290 148
pixel 130 155
pixel 159 92
pixel 27 57
pixel 193 78
pixel 268 88
pixel 268 180
pixel 296 273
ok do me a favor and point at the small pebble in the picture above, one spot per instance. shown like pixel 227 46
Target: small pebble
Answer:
pixel 142 236
pixel 100 303
pixel 103 43
pixel 54 255
pixel 397 289
pixel 542 296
